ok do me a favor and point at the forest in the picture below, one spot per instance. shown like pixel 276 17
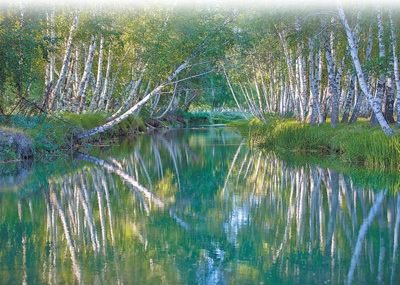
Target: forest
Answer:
pixel 107 62
pixel 199 142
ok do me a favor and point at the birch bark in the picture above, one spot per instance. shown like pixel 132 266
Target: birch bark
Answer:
pixel 257 89
pixel 388 106
pixel 332 83
pixel 110 93
pixel 290 68
pixel 315 108
pixel 132 110
pixel 360 97
pixel 349 100
pixel 64 68
pixel 380 87
pixel 104 92
pixel 395 66
pixel 96 93
pixel 354 54
pixel 80 100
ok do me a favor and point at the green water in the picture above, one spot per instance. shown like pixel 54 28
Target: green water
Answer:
pixel 193 207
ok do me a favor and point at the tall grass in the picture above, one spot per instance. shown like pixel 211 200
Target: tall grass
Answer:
pixel 358 144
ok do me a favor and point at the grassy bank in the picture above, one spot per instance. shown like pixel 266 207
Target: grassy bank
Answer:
pixel 51 135
pixel 356 144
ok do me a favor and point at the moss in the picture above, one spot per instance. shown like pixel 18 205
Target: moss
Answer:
pixel 85 121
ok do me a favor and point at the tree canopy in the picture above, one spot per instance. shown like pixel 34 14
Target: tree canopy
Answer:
pixel 294 60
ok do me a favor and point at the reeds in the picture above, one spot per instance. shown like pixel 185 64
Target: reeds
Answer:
pixel 358 144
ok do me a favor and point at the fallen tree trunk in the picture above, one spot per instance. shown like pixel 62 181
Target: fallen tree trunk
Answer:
pixel 131 111
pixel 199 50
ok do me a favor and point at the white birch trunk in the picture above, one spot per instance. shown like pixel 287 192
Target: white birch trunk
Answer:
pixel 303 88
pixel 395 66
pixel 80 100
pixel 233 94
pixel 380 87
pixel 111 91
pixel 333 90
pixel 315 108
pixel 104 91
pixel 360 97
pixel 290 68
pixel 96 93
pixel 257 89
pixel 132 110
pixel 132 93
pixel 264 87
pixel 64 68
pixel 350 96
pixel 354 54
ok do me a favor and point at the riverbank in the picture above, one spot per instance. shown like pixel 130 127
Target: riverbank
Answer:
pixel 24 137
pixel 51 135
pixel 357 144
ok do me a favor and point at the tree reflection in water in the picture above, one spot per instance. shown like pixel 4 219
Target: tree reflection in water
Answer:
pixel 199 208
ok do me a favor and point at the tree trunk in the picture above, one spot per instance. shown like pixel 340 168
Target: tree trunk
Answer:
pixel 64 89
pixel 51 64
pixel 333 90
pixel 68 48
pixel 290 68
pixel 257 88
pixel 374 106
pixel 96 93
pixel 361 94
pixel 303 88
pixel 389 102
pixel 380 88
pixel 111 91
pixel 132 110
pixel 80 99
pixel 349 101
pixel 132 93
pixel 264 87
pixel 315 108
pixel 395 67
pixel 104 92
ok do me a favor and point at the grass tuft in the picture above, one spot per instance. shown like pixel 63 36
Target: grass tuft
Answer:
pixel 357 144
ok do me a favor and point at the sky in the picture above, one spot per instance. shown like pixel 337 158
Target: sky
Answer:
pixel 223 2
pixel 280 4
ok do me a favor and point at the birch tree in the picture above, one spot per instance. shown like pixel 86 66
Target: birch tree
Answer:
pixel 354 54
pixel 395 66
pixel 210 38
pixel 67 54
pixel 380 86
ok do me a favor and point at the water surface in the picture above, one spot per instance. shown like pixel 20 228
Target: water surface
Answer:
pixel 194 207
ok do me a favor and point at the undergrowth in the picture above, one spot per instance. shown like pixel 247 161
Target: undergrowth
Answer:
pixel 357 144
pixel 50 134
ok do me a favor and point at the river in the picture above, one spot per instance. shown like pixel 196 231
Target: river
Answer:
pixel 194 206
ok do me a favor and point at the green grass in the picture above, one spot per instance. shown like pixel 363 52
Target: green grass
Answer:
pixel 50 135
pixel 356 144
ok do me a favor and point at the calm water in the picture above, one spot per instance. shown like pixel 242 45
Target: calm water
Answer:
pixel 193 207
